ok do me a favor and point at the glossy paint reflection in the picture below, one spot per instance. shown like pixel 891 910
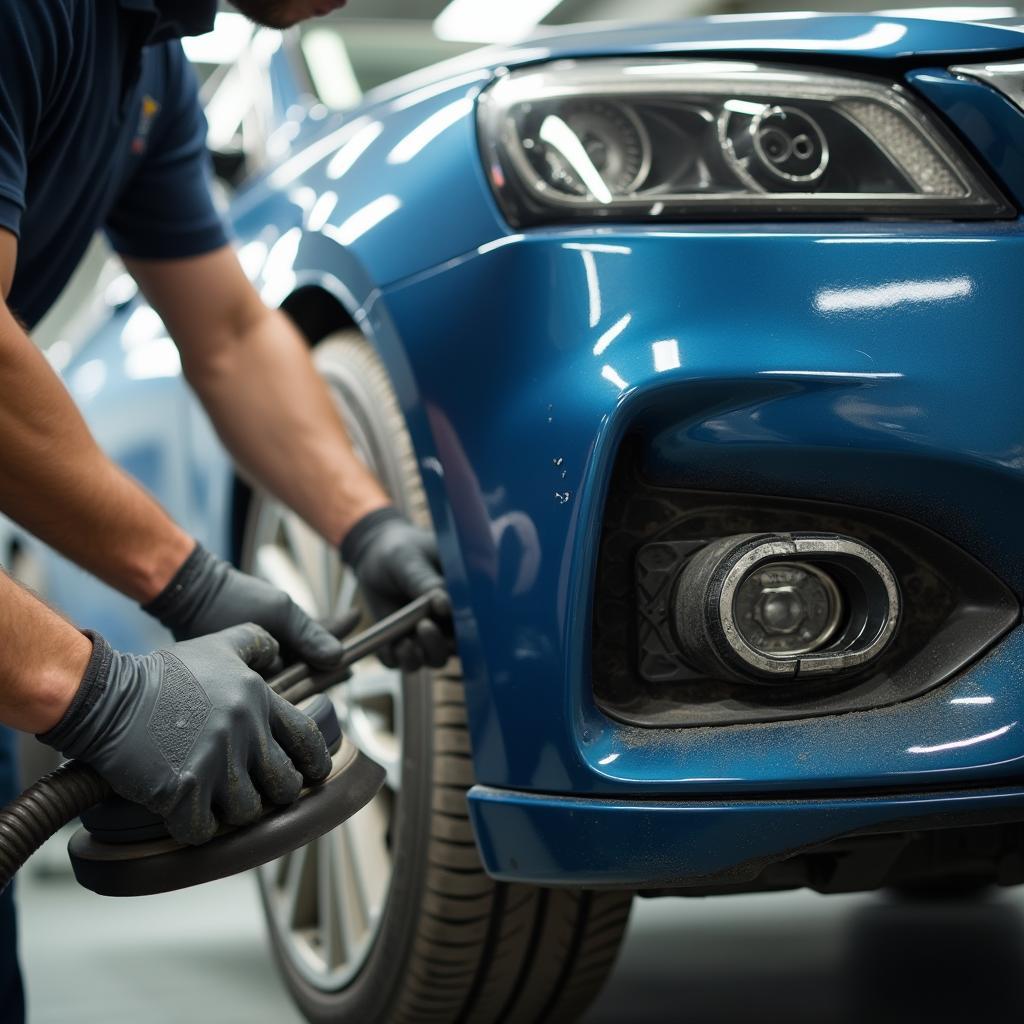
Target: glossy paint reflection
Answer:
pixel 430 130
pixel 612 334
pixel 970 741
pixel 666 355
pixel 350 151
pixel 363 220
pixel 891 294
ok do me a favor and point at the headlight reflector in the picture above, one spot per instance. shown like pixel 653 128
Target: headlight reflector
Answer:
pixel 627 140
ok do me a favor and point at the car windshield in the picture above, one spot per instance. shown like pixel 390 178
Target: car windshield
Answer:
pixel 371 42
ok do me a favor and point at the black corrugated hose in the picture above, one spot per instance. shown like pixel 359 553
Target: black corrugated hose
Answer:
pixel 43 809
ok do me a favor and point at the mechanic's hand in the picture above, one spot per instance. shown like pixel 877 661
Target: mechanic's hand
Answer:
pixel 193 732
pixel 208 595
pixel 396 562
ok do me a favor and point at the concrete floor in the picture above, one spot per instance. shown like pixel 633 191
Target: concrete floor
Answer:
pixel 199 956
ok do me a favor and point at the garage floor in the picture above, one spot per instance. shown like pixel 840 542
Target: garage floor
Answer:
pixel 199 956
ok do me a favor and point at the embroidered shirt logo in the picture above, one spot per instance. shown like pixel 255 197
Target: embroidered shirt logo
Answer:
pixel 150 108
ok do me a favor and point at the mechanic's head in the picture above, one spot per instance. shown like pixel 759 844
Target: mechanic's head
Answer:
pixel 285 13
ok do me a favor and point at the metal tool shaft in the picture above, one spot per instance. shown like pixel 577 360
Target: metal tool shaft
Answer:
pixel 297 683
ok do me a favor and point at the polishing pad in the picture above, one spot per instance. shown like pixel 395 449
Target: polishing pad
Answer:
pixel 150 866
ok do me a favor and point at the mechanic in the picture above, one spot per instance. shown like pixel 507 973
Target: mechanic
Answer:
pixel 100 128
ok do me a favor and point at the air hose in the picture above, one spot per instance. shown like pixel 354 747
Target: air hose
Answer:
pixel 43 810
pixel 64 794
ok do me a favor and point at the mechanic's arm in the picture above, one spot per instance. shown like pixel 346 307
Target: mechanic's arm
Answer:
pixel 56 481
pixel 252 371
pixel 42 660
pixel 254 374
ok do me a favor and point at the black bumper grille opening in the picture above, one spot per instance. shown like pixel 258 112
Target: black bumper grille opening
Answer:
pixel 954 609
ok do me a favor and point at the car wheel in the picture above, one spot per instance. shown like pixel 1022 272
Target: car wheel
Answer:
pixel 391 917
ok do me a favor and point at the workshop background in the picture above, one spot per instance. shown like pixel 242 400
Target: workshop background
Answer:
pixel 202 954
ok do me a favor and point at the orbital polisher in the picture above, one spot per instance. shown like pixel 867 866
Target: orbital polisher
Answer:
pixel 124 850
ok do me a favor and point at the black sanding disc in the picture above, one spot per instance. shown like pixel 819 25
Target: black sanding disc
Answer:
pixel 162 865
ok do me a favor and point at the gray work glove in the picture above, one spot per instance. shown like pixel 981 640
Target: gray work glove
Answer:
pixel 396 562
pixel 208 595
pixel 193 732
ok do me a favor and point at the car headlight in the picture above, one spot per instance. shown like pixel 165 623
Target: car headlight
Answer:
pixel 669 139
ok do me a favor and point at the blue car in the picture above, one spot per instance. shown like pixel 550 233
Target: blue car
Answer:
pixel 699 346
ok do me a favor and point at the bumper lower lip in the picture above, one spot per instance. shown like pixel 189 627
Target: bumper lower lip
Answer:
pixel 570 841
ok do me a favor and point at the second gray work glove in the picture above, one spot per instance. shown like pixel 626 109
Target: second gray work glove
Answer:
pixel 207 595
pixel 395 563
pixel 193 732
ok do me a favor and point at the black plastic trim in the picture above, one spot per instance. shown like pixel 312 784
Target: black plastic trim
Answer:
pixel 955 609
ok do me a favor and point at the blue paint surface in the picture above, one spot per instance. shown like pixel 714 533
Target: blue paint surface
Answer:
pixel 868 36
pixel 876 364
pixel 812 362
pixel 626 844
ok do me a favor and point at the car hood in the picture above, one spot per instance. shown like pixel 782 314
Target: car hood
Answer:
pixel 848 37
pixel 871 36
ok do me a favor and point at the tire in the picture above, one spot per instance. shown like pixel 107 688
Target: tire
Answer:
pixel 449 944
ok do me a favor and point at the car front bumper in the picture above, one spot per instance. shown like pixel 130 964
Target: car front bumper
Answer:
pixel 871 366
pixel 876 366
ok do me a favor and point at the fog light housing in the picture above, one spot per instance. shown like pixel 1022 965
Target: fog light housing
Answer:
pixel 772 607
pixel 788 608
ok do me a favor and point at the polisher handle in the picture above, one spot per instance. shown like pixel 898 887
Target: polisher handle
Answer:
pixel 297 683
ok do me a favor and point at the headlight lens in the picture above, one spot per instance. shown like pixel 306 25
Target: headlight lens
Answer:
pixel 627 140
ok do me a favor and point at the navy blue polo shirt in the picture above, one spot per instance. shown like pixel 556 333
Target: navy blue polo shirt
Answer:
pixel 100 127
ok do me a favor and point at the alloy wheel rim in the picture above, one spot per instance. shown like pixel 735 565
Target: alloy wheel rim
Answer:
pixel 326 901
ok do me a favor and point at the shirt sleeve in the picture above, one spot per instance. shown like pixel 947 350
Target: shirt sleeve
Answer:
pixel 166 209
pixel 34 43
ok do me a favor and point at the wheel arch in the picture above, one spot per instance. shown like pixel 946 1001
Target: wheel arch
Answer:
pixel 318 312
pixel 321 305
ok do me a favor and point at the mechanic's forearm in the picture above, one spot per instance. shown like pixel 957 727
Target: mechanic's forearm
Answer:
pixel 42 660
pixel 277 418
pixel 57 483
